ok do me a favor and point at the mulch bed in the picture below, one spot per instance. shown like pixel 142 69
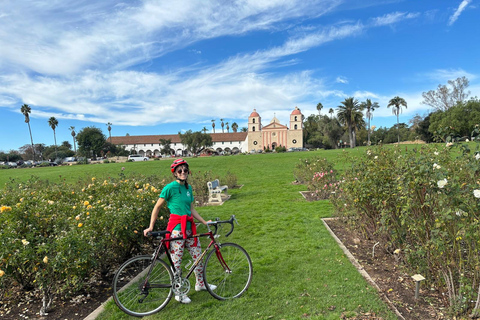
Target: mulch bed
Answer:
pixel 386 270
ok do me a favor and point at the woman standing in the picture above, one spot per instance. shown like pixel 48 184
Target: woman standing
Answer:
pixel 179 197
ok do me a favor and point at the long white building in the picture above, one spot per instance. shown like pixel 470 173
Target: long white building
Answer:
pixel 257 138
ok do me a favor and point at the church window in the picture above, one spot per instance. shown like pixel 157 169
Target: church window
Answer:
pixel 294 141
pixel 253 128
pixel 295 118
pixel 253 120
pixel 295 127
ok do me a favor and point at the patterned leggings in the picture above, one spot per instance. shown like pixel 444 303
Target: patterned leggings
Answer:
pixel 176 251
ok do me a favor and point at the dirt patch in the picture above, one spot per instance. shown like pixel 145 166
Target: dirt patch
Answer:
pixel 386 270
pixel 26 305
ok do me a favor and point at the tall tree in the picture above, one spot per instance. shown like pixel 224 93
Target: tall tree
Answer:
pixel 350 115
pixel 444 97
pixel 109 127
pixel 228 128
pixel 90 141
pixel 26 110
pixel 319 107
pixel 213 125
pixel 222 124
pixel 397 103
pixel 370 107
pixel 234 127
pixel 195 141
pixel 204 129
pixel 72 129
pixel 167 149
pixel 331 111
pixel 53 123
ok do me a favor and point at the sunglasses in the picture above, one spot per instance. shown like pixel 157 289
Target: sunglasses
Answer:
pixel 182 171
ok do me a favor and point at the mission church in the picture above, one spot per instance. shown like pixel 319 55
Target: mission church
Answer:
pixel 256 139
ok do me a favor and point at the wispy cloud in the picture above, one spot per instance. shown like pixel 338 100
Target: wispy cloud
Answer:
pixel 341 79
pixel 392 18
pixel 443 75
pixel 463 5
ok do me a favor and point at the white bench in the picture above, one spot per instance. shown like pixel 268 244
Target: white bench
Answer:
pixel 217 194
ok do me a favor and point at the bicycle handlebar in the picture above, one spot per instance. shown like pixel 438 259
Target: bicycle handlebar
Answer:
pixel 210 223
pixel 229 221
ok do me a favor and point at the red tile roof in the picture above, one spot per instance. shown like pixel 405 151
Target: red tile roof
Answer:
pixel 175 138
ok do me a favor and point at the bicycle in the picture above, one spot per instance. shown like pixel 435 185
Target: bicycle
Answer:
pixel 145 284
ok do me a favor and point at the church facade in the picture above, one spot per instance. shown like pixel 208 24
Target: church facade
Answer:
pixel 257 138
pixel 275 134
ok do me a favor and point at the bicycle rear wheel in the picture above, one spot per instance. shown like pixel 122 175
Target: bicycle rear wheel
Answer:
pixel 131 294
pixel 231 278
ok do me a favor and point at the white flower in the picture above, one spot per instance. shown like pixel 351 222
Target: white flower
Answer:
pixel 436 153
pixel 477 156
pixel 443 183
pixel 467 140
pixel 476 193
pixel 369 152
pixel 436 166
pixel 25 242
pixel 376 157
pixel 449 144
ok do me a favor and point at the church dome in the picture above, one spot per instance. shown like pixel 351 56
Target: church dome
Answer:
pixel 296 111
pixel 254 113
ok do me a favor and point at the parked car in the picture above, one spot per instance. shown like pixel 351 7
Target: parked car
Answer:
pixel 137 157
pixel 11 164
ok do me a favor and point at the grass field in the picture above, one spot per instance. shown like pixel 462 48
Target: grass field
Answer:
pixel 299 271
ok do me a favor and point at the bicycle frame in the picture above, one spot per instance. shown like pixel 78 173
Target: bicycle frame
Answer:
pixel 163 242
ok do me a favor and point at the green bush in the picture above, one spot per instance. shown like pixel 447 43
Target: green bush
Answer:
pixel 424 205
pixel 319 176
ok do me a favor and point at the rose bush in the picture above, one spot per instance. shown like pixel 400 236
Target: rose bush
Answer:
pixel 424 202
pixel 57 238
pixel 318 175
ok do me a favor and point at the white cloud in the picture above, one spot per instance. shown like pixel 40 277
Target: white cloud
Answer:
pixel 443 75
pixel 392 18
pixel 458 12
pixel 341 79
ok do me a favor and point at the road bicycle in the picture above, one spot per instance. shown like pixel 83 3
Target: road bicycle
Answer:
pixel 145 284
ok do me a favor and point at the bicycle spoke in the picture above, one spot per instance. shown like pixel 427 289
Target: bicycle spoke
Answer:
pixel 138 295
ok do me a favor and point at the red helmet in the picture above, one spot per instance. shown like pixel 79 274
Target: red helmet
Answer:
pixel 177 163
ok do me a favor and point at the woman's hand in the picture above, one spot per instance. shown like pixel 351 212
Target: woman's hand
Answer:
pixel 146 231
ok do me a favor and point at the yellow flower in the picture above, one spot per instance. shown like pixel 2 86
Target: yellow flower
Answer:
pixel 2 273
pixel 45 260
pixel 50 202
pixel 93 179
pixel 90 197
pixel 73 192
pixel 5 209
pixel 86 203
pixel 21 199
pixel 80 225
pixel 77 218
pixel 25 242
pixel 74 207
pixel 89 207
pixel 88 213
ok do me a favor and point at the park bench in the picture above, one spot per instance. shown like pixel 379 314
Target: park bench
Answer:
pixel 217 194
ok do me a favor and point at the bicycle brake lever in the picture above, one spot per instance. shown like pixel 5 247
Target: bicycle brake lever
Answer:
pixel 235 219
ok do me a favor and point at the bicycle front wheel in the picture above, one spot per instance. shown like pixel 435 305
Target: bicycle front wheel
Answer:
pixel 142 286
pixel 230 270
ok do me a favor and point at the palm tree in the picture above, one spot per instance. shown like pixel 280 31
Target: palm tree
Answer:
pixel 222 124
pixel 350 115
pixel 369 114
pixel 331 111
pixel 204 130
pixel 234 127
pixel 53 123
pixel 25 110
pixel 109 127
pixel 397 103
pixel 72 129
pixel 213 125
pixel 319 107
pixel 226 123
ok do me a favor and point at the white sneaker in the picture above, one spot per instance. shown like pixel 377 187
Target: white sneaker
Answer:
pixel 202 288
pixel 183 299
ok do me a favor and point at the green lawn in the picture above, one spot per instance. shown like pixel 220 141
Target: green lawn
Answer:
pixel 299 271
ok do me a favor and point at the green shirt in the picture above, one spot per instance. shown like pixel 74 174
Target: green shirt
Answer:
pixel 178 200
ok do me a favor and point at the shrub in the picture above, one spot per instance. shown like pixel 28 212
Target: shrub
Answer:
pixel 423 203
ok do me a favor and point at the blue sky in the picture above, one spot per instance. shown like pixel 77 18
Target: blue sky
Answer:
pixel 160 67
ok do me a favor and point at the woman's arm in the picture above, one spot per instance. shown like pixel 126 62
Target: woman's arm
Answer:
pixel 196 215
pixel 155 212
